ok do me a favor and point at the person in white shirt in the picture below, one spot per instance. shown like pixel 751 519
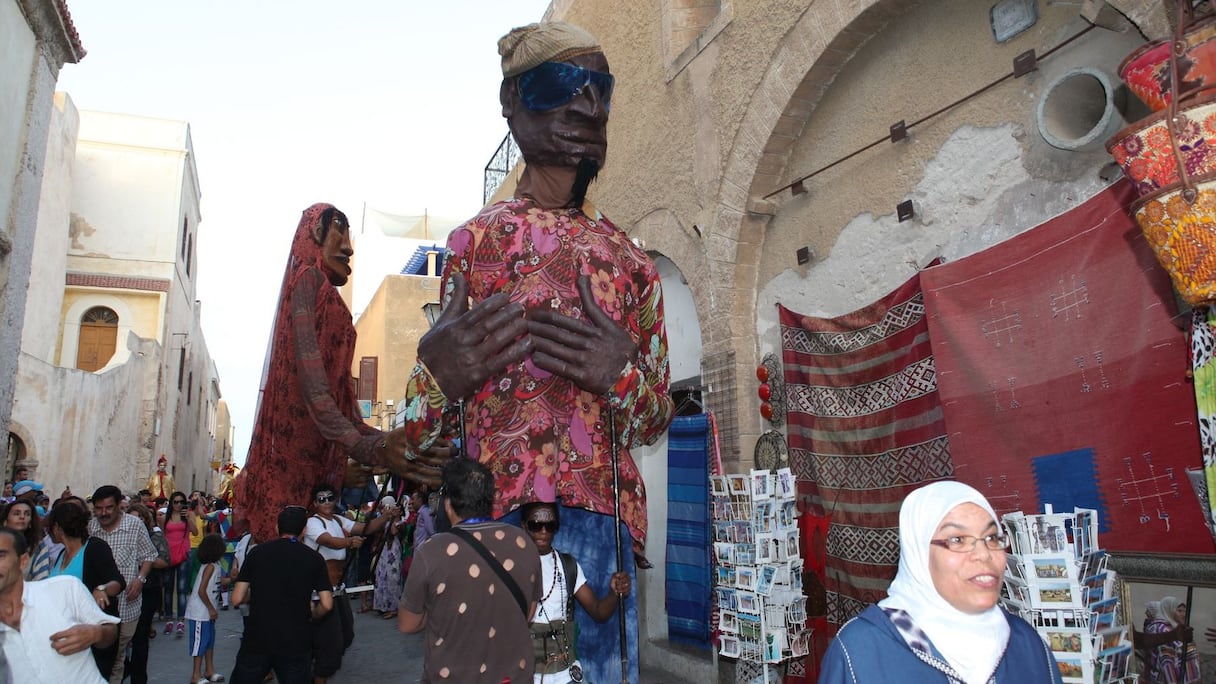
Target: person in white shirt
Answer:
pixel 331 535
pixel 563 581
pixel 47 627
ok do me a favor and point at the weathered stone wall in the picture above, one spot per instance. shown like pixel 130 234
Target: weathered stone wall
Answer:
pixel 96 419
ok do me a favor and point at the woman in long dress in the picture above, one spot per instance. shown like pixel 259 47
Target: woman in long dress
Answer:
pixel 388 568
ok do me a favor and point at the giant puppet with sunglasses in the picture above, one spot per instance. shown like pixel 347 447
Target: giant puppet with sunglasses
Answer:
pixel 595 353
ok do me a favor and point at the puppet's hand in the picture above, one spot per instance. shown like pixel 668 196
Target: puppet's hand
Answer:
pixel 439 453
pixel 590 353
pixel 356 476
pixel 468 346
pixel 421 468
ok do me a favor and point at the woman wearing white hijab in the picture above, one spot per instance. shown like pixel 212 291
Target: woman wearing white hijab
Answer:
pixel 940 621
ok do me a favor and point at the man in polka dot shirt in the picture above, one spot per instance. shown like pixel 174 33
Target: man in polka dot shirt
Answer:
pixel 476 631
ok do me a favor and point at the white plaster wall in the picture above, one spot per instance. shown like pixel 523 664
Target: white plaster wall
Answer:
pixel 128 190
pixel 83 428
pixel 684 357
pixel 683 326
pixel 30 92
pixel 17 55
pixel 44 301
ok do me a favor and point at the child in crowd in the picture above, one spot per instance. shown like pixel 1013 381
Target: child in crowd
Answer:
pixel 200 609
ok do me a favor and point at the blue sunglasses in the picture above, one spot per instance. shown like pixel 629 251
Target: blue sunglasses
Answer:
pixel 552 84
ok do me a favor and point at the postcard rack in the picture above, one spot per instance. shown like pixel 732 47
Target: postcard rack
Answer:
pixel 1057 580
pixel 758 581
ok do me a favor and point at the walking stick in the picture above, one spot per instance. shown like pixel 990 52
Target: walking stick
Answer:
pixel 620 560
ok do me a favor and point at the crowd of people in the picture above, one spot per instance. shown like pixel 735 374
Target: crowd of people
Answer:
pixel 142 568
pixel 139 559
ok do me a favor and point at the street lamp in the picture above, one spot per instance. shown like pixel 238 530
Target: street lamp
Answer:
pixel 431 310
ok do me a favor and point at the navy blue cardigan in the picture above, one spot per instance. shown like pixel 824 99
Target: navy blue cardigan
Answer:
pixel 870 650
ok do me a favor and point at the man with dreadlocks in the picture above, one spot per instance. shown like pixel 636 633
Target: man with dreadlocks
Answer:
pixel 598 353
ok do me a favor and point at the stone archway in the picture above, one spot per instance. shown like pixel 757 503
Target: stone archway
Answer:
pixel 804 64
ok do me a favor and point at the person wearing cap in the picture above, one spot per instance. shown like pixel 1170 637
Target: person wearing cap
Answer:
pixel 595 321
pixel 27 489
pixel 161 483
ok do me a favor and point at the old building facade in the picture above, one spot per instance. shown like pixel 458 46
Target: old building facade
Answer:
pixel 114 369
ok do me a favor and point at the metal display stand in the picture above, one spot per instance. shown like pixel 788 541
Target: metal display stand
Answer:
pixel 1057 579
pixel 758 577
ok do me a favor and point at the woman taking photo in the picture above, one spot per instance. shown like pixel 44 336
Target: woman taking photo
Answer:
pixel 89 560
pixel 180 524
pixel 940 621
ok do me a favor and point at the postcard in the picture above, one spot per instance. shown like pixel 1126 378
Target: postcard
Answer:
pixel 762 484
pixel 786 488
pixel 764 579
pixel 747 602
pixel 1050 566
pixel 1067 640
pixel 725 553
pixel 728 621
pixel 1053 595
pixel 729 646
pixel 745 577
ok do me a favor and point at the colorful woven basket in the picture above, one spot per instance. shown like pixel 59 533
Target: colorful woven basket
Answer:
pixel 1147 70
pixel 1146 154
pixel 1183 236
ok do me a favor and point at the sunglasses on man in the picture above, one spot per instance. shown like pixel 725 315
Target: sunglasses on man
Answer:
pixel 549 526
pixel 552 84
pixel 324 497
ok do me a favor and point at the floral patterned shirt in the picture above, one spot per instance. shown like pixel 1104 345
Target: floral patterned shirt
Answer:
pixel 539 434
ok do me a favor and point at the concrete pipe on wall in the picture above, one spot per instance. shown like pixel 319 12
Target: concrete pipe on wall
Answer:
pixel 1079 110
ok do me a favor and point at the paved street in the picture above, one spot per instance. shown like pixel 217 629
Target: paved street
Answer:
pixel 380 653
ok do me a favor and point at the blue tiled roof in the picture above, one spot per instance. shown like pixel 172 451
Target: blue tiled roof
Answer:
pixel 417 263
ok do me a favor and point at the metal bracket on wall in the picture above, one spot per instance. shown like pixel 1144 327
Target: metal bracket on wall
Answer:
pixel 1025 63
pixel 904 210
pixel 899 131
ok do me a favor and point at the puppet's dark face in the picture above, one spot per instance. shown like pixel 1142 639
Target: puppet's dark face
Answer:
pixel 336 250
pixel 564 134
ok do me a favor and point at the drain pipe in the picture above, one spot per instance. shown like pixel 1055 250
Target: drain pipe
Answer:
pixel 1079 110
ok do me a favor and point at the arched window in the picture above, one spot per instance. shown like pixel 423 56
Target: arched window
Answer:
pixel 98 338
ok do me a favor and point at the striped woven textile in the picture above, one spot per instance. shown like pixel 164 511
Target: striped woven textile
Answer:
pixel 689 535
pixel 865 428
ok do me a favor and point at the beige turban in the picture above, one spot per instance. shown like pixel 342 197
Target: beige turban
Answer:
pixel 529 46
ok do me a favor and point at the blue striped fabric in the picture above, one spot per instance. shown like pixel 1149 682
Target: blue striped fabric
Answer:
pixel 689 587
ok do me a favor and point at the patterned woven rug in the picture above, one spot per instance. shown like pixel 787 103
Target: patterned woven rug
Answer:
pixel 1063 379
pixel 865 428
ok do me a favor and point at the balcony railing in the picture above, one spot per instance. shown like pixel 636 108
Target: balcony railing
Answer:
pixel 504 159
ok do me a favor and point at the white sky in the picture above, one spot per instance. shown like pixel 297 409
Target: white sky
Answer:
pixel 389 102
